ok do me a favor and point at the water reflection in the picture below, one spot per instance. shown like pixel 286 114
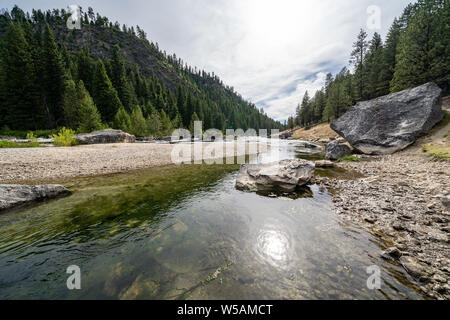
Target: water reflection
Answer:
pixel 274 247
pixel 187 233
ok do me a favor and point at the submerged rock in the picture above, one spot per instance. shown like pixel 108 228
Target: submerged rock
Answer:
pixel 285 175
pixel 392 252
pixel 391 123
pixel 335 151
pixel 324 164
pixel 15 195
pixel 105 136
pixel 416 269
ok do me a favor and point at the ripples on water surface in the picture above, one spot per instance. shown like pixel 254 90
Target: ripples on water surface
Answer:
pixel 186 233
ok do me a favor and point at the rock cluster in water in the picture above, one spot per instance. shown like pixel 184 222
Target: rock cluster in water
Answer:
pixel 391 123
pixel 285 175
pixel 16 195
pixel 105 136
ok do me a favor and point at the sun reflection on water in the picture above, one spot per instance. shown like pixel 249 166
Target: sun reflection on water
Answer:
pixel 274 247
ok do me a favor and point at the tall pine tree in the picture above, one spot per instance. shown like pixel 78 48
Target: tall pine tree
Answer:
pixel 421 51
pixel 104 94
pixel 19 107
pixel 52 79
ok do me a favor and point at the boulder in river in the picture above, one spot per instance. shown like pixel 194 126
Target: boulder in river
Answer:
pixel 285 175
pixel 16 195
pixel 336 150
pixel 105 136
pixel 391 123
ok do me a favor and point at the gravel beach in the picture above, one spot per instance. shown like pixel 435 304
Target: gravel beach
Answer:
pixel 47 164
pixel 405 200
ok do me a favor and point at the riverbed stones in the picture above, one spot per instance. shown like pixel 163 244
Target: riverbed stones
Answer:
pixel 392 252
pixel 391 123
pixel 12 196
pixel 284 176
pixel 105 136
pixel 413 186
pixel 416 268
pixel 335 150
pixel 324 164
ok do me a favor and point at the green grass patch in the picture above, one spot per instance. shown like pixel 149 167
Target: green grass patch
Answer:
pixel 11 144
pixel 352 158
pixel 65 138
pixel 446 119
pixel 436 153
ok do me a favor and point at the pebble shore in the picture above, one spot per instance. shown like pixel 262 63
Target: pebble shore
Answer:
pixel 52 164
pixel 405 200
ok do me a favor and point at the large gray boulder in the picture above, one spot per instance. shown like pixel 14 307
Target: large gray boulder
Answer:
pixel 391 123
pixel 16 195
pixel 284 176
pixel 105 136
pixel 335 150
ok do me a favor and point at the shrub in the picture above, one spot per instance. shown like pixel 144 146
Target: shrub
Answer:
pixel 64 138
pixel 436 152
pixel 31 137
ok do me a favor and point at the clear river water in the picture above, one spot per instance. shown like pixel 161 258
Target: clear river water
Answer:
pixel 186 233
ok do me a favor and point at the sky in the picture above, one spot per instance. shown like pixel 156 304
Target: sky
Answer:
pixel 270 51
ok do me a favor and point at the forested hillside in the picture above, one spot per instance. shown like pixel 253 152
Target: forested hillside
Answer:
pixel 416 51
pixel 106 75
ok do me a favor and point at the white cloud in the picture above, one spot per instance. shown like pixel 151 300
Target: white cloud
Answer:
pixel 270 51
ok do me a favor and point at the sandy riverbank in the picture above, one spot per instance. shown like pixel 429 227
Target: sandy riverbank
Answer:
pixel 46 164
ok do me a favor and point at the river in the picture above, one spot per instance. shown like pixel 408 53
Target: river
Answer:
pixel 186 233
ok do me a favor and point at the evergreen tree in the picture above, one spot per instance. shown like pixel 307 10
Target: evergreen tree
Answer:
pixel 122 120
pixel 52 78
pixel 373 66
pixel 192 123
pixel 154 123
pixel 19 108
pixel 166 125
pixel 85 66
pixel 357 59
pixel 89 119
pixel 422 48
pixel 71 104
pixel 120 81
pixel 138 124
pixel 389 58
pixel 104 94
pixel 80 111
